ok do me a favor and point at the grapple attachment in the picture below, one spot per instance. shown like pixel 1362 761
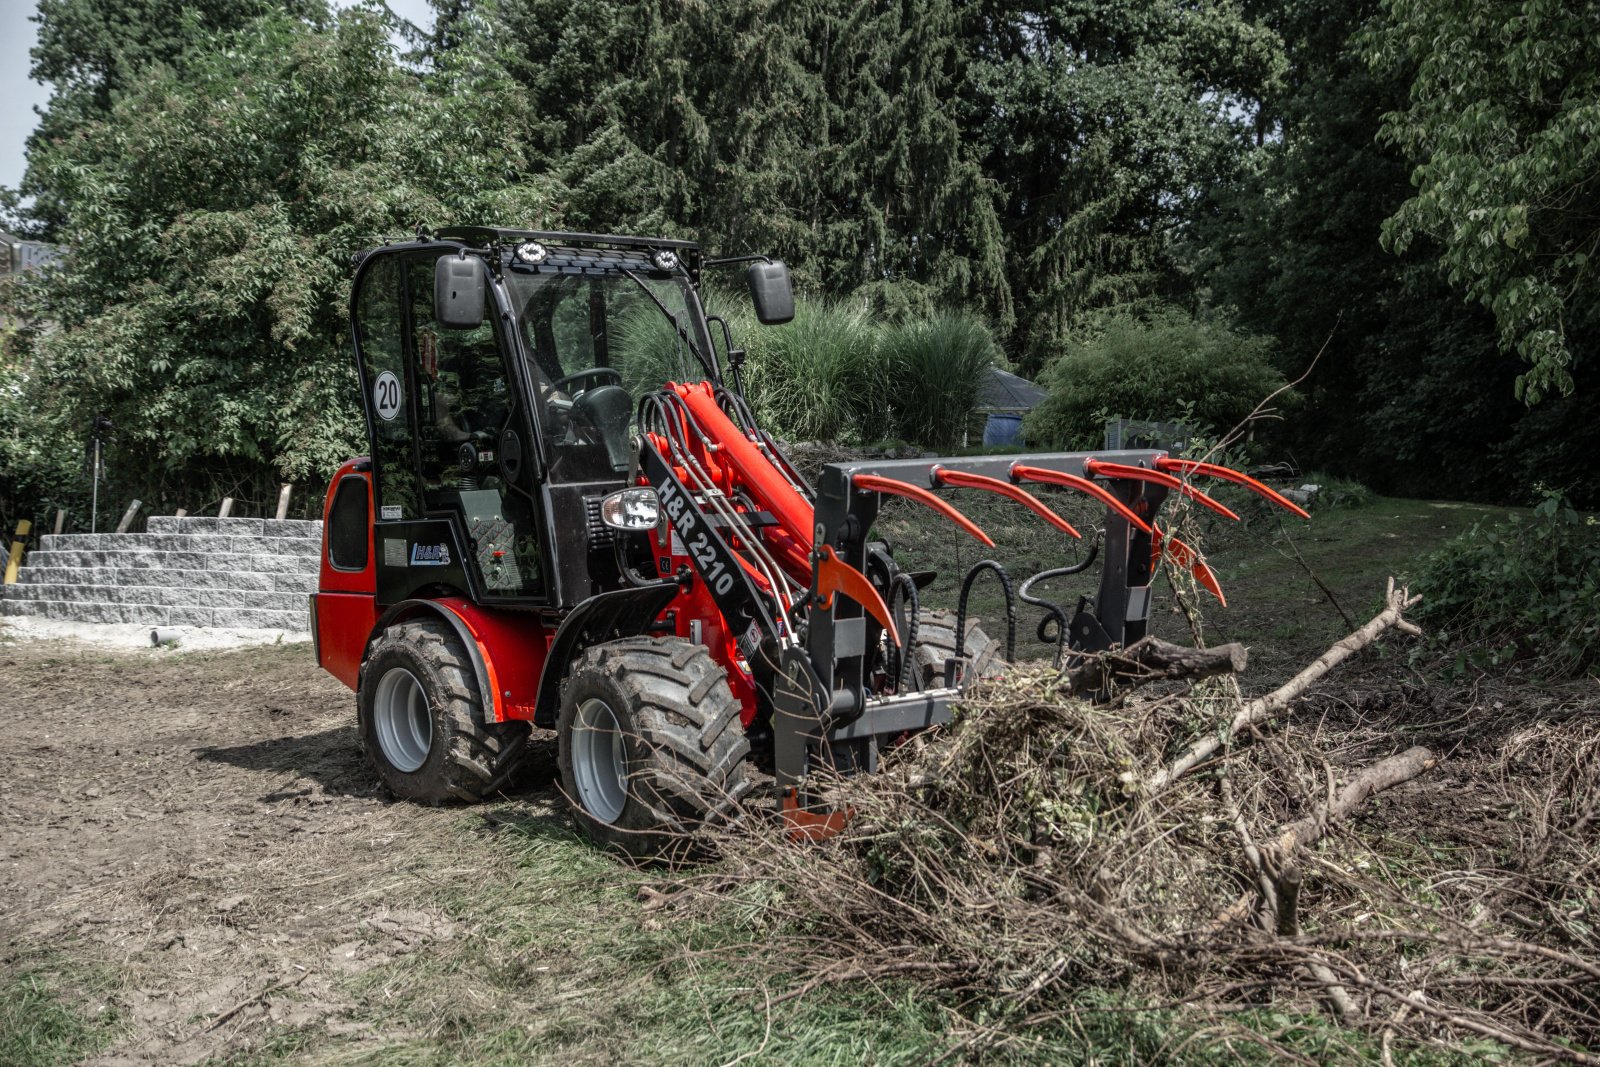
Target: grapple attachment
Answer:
pixel 797 573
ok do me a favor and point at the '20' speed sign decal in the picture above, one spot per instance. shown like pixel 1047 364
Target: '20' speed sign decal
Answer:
pixel 386 396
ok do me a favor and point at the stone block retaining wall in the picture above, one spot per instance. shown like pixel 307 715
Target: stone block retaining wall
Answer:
pixel 182 572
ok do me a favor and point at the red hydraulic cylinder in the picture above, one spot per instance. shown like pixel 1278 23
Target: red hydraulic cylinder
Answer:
pixel 769 488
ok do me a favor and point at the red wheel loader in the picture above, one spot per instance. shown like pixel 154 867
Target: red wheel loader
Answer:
pixel 570 518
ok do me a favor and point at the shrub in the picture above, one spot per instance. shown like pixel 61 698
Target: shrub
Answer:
pixel 816 378
pixel 1527 588
pixel 1162 365
pixel 933 371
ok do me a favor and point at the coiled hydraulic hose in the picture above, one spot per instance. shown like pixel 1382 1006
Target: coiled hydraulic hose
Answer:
pixel 1055 613
pixel 900 657
pixel 1011 608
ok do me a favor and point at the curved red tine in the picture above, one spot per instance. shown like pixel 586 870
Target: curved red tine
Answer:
pixel 968 480
pixel 1024 473
pixel 1187 558
pixel 1227 474
pixel 834 575
pixel 1103 469
pixel 879 484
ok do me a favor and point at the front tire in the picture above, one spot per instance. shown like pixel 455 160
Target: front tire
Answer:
pixel 650 745
pixel 423 722
pixel 936 646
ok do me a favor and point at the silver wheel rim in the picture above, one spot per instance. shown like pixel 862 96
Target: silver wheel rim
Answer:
pixel 599 761
pixel 404 726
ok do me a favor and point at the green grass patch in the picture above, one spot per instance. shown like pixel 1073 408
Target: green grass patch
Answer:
pixel 41 1025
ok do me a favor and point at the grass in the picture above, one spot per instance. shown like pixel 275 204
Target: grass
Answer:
pixel 555 958
pixel 42 1026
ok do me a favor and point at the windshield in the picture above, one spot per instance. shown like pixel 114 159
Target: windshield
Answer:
pixel 596 343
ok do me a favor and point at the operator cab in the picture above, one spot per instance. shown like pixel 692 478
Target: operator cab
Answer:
pixel 501 371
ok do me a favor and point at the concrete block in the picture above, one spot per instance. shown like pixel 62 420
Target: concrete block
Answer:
pixel 257 618
pixel 12 606
pixel 296 528
pixel 240 527
pixel 249 546
pixel 190 615
pixel 88 611
pixel 269 564
pixel 294 583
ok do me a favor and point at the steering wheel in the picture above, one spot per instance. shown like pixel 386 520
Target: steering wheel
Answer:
pixel 600 374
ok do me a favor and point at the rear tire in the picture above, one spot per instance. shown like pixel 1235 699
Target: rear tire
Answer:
pixel 423 722
pixel 650 745
pixel 936 645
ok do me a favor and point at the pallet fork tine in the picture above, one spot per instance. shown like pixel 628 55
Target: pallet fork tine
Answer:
pixel 1171 465
pixel 1102 469
pixel 967 480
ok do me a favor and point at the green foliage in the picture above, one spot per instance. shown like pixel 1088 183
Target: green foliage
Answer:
pixel 38 1030
pixel 1503 128
pixel 1163 364
pixel 817 378
pixel 1525 588
pixel 933 371
pixel 211 219
pixel 1335 493
pixel 1105 123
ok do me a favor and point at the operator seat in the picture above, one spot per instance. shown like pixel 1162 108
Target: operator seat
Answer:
pixel 608 409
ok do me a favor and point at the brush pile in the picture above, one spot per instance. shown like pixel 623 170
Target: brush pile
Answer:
pixel 1173 849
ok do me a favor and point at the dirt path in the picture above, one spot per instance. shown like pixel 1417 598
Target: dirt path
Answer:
pixel 204 825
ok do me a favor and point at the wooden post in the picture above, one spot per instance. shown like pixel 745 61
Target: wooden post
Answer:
pixel 180 513
pixel 23 526
pixel 227 506
pixel 127 517
pixel 283 501
pixel 61 519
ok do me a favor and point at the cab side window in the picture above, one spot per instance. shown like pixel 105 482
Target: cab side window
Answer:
pixel 473 440
pixel 380 328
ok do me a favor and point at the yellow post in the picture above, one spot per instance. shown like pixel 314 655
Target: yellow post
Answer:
pixel 23 526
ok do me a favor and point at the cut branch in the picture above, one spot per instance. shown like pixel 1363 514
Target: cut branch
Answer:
pixel 1263 708
pixel 1154 660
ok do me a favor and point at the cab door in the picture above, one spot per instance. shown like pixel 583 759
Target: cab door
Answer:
pixel 476 464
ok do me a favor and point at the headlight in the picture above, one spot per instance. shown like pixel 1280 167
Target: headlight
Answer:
pixel 665 259
pixel 631 509
pixel 531 252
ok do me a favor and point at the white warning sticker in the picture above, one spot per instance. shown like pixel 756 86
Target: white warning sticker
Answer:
pixel 394 552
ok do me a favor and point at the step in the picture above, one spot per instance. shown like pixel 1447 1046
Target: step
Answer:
pixel 157 615
pixel 184 542
pixel 261 562
pixel 159 596
pixel 194 524
pixel 163 576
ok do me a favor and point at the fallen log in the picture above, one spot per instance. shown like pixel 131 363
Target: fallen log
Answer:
pixel 1263 708
pixel 1151 659
pixel 1375 779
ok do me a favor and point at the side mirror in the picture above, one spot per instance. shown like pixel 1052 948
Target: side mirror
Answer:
pixel 458 291
pixel 771 292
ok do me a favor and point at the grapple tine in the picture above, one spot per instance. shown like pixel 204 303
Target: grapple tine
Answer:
pixel 1189 559
pixel 879 484
pixel 968 480
pixel 1043 475
pixel 1227 474
pixel 1103 469
pixel 834 575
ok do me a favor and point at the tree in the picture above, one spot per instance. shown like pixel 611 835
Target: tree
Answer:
pixel 828 133
pixel 93 51
pixel 1503 127
pixel 211 219
pixel 1103 125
